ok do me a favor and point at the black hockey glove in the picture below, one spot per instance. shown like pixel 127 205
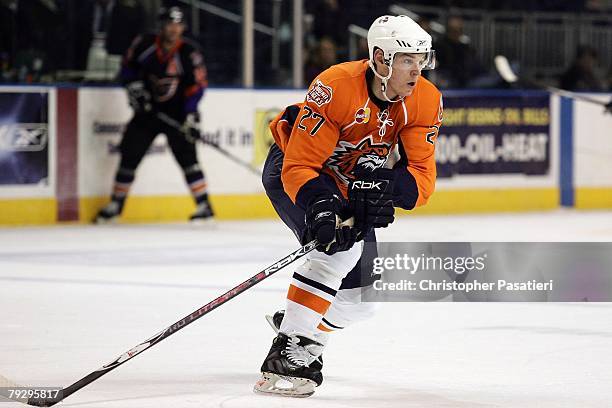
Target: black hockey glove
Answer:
pixel 139 97
pixel 371 199
pixel 323 224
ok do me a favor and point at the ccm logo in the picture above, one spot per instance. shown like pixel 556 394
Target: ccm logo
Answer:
pixel 367 185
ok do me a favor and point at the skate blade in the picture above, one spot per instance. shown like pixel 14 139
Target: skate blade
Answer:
pixel 206 223
pixel 284 386
pixel 106 221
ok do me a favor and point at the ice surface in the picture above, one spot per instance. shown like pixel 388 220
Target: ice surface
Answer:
pixel 73 298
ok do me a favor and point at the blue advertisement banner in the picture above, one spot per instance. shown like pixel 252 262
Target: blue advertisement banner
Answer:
pixel 505 133
pixel 24 137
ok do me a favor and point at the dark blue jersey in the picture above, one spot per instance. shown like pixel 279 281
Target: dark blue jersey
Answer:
pixel 176 79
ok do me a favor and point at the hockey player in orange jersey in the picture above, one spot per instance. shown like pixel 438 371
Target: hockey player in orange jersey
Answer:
pixel 330 162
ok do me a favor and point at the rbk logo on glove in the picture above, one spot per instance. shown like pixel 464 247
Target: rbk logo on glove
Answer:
pixel 371 199
pixel 368 185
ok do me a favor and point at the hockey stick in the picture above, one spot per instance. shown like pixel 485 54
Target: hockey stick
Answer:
pixel 6 385
pixel 505 71
pixel 175 124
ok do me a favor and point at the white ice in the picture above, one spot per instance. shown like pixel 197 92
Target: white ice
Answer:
pixel 73 298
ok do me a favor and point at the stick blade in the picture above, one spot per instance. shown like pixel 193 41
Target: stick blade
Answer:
pixel 505 71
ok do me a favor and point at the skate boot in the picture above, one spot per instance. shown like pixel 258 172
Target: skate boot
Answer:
pixel 288 370
pixel 203 214
pixel 276 320
pixel 109 214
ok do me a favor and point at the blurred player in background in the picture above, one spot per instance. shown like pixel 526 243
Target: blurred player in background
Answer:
pixel 165 78
pixel 329 163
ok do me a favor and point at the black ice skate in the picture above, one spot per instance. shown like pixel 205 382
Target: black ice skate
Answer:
pixel 288 370
pixel 276 320
pixel 203 214
pixel 108 214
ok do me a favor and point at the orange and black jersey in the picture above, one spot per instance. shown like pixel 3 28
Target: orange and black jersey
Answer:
pixel 176 79
pixel 342 128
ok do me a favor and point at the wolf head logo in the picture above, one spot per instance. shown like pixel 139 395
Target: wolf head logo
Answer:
pixel 366 156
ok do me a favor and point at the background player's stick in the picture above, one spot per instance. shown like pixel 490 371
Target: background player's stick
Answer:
pixel 6 385
pixel 505 71
pixel 198 136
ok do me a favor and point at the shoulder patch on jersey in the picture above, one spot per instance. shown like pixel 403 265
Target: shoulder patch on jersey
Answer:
pixel 196 57
pixel 319 94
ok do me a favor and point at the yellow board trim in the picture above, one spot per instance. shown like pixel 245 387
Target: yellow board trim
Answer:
pixel 489 200
pixel 592 198
pixel 31 211
pixel 257 206
pixel 179 208
pixel 251 206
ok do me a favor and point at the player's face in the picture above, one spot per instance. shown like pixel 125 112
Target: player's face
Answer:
pixel 406 70
pixel 171 32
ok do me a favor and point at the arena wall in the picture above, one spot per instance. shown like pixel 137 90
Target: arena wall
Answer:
pixel 497 151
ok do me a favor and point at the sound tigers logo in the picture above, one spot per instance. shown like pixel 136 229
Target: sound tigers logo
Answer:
pixel 366 156
pixel 163 88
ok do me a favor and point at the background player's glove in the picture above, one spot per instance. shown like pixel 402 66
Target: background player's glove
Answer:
pixel 139 97
pixel 191 127
pixel 371 199
pixel 322 224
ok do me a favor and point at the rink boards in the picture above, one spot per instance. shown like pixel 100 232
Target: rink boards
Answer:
pixel 497 151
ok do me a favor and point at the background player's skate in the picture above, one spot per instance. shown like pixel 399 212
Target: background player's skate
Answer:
pixel 109 213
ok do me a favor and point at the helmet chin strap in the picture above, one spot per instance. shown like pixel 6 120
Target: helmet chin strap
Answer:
pixel 383 84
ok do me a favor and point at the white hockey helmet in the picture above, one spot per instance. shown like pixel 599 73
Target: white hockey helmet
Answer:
pixel 393 34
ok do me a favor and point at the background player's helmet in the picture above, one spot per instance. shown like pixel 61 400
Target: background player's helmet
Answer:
pixel 171 15
pixel 393 34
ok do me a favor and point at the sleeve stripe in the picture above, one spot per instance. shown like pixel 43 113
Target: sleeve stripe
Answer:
pixel 192 90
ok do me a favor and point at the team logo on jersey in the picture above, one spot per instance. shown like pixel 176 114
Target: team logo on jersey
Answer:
pixel 319 94
pixel 172 68
pixel 362 115
pixel 366 156
pixel 164 88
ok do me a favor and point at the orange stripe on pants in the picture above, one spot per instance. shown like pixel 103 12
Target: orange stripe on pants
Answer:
pixel 310 300
pixel 121 189
pixel 198 185
pixel 323 328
